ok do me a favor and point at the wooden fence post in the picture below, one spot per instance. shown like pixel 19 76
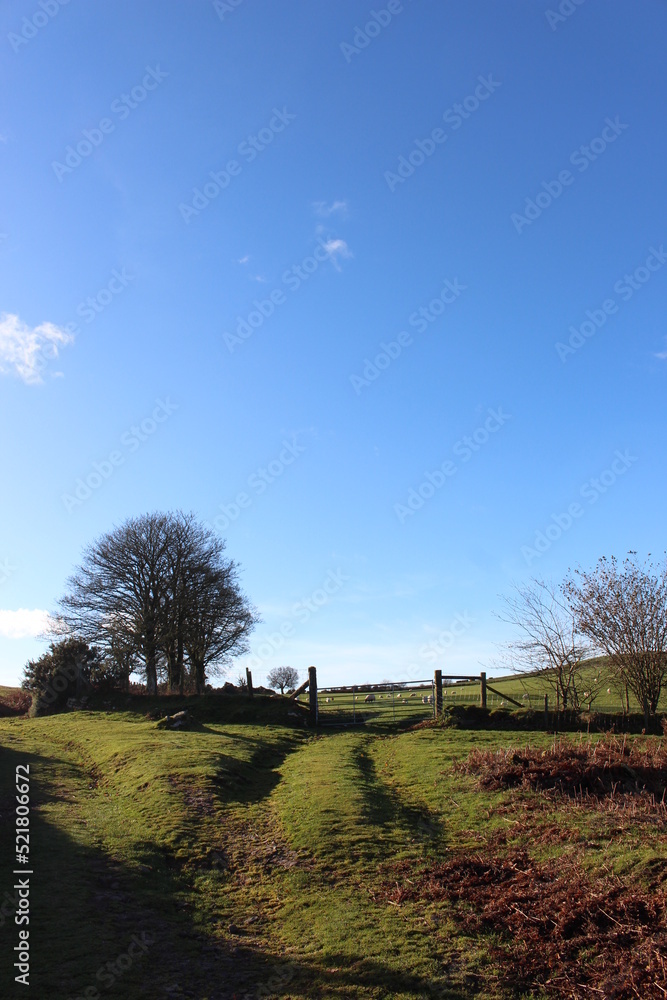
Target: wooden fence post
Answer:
pixel 312 694
pixel 438 693
pixel 482 689
pixel 248 677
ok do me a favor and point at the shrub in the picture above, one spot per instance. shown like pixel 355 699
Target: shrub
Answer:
pixel 15 703
pixel 64 672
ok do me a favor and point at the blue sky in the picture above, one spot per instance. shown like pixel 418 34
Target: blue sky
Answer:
pixel 377 291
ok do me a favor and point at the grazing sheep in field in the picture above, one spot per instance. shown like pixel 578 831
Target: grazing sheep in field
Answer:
pixel 412 695
pixel 369 697
pixel 327 700
pixel 398 696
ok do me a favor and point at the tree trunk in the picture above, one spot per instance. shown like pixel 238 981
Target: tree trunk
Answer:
pixel 200 677
pixel 151 673
pixel 179 662
pixel 172 666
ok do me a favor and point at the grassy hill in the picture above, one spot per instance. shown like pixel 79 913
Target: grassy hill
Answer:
pixel 531 688
pixel 250 857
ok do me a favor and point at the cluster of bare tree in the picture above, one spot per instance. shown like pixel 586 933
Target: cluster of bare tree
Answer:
pixel 157 596
pixel 617 610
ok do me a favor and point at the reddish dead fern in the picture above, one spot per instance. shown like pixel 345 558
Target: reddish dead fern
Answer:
pixel 554 927
pixel 607 768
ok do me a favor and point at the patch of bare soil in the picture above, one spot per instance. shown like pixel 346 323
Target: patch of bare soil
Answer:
pixel 553 926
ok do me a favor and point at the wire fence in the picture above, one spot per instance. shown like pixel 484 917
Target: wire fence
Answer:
pixel 506 692
pixel 388 702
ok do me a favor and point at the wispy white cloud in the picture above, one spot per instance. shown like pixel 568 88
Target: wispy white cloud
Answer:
pixel 662 355
pixel 244 260
pixel 336 249
pixel 25 350
pixel 23 624
pixel 335 208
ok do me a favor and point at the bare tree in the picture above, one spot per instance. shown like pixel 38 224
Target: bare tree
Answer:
pixel 548 642
pixel 219 618
pixel 622 609
pixel 154 589
pixel 283 677
pixel 116 597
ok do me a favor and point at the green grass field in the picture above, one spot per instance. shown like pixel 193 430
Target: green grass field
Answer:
pixel 407 703
pixel 239 859
pixel 530 691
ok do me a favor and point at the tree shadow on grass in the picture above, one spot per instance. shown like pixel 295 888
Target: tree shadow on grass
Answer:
pixel 385 807
pixel 100 927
